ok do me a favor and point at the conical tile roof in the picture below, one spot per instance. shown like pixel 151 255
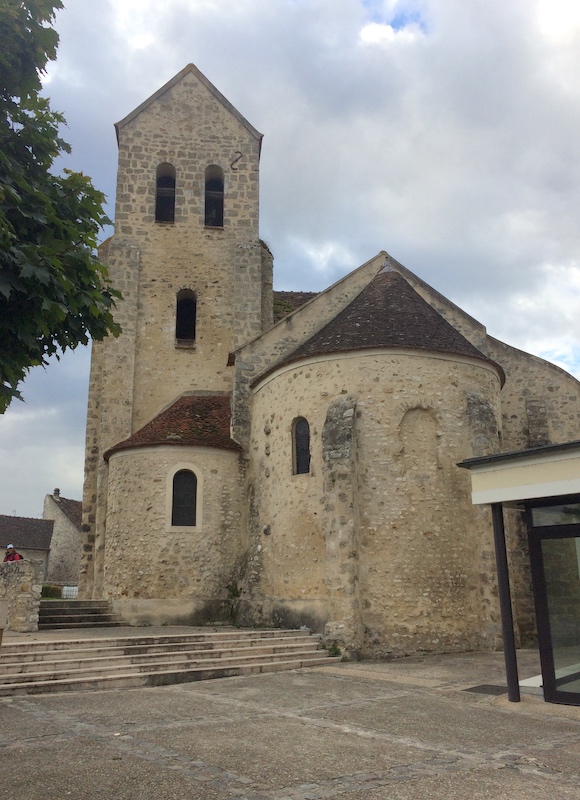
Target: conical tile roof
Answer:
pixel 202 420
pixel 388 313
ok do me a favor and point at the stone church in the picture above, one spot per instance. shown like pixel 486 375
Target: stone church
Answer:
pixel 288 459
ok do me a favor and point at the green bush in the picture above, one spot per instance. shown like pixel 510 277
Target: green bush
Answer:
pixel 334 649
pixel 50 590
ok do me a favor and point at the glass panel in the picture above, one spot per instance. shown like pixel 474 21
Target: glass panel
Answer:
pixel 165 199
pixel 562 575
pixel 184 499
pixel 301 447
pixel 556 515
pixel 185 322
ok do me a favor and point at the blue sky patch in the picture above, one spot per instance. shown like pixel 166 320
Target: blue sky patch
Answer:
pixel 403 16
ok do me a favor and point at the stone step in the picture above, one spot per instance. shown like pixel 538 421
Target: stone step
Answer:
pixel 213 637
pixel 72 620
pixel 161 678
pixel 22 655
pixel 142 660
pixel 61 614
pixel 105 660
pixel 97 668
pixel 51 604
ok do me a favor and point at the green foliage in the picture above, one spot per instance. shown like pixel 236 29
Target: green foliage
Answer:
pixel 54 293
pixel 334 649
pixel 52 591
pixel 233 590
pixel 233 602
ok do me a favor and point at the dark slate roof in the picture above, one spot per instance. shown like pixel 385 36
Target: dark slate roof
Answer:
pixel 73 509
pixel 388 313
pixel 25 533
pixel 287 302
pixel 202 420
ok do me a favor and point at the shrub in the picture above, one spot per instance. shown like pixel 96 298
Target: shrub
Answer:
pixel 50 590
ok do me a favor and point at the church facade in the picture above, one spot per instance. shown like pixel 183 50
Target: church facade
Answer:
pixel 283 459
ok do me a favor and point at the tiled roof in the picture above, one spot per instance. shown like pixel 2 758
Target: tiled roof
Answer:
pixel 25 532
pixel 73 509
pixel 287 302
pixel 388 313
pixel 202 420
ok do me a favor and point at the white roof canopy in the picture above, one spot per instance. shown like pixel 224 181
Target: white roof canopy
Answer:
pixel 548 471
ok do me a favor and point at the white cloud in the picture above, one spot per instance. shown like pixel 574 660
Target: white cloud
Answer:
pixel 377 33
pixel 558 19
pixel 442 131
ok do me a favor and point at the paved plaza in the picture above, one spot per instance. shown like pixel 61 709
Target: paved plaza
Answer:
pixel 400 730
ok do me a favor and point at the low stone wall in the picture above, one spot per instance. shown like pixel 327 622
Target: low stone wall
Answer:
pixel 20 587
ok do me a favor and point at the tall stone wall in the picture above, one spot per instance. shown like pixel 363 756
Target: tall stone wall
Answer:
pixel 158 573
pixel 540 401
pixel 190 128
pixel 189 125
pixel 379 545
pixel 342 524
pixel 540 404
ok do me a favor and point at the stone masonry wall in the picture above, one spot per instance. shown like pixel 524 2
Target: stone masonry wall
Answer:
pixel 427 570
pixel 540 405
pixel 342 525
pixel 259 355
pixel 540 401
pixel 20 586
pixel 139 374
pixel 109 413
pixel 149 560
pixel 65 546
pixel 188 127
pixel 381 537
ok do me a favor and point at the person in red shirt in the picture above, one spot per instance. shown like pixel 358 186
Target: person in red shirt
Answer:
pixel 11 554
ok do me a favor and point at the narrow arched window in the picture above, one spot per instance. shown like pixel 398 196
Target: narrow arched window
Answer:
pixel 214 197
pixel 301 446
pixel 165 193
pixel 184 503
pixel 185 316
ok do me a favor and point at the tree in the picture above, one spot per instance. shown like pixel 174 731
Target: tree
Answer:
pixel 54 293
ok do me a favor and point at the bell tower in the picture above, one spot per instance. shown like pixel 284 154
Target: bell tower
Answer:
pixel 186 255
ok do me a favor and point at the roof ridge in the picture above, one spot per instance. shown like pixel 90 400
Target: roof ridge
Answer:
pixel 388 313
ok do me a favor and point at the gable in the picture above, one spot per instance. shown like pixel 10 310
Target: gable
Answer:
pixel 194 91
pixel 72 509
pixel 388 313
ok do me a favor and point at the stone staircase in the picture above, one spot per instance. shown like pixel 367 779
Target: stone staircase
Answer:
pixel 63 614
pixel 132 661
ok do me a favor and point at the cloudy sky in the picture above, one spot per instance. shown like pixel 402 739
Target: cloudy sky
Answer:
pixel 442 131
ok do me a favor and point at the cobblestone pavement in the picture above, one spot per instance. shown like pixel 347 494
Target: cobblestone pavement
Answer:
pixel 400 730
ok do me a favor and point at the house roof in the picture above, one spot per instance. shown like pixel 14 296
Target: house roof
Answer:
pixel 25 533
pixel 202 420
pixel 388 313
pixel 73 509
pixel 287 302
pixel 201 77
